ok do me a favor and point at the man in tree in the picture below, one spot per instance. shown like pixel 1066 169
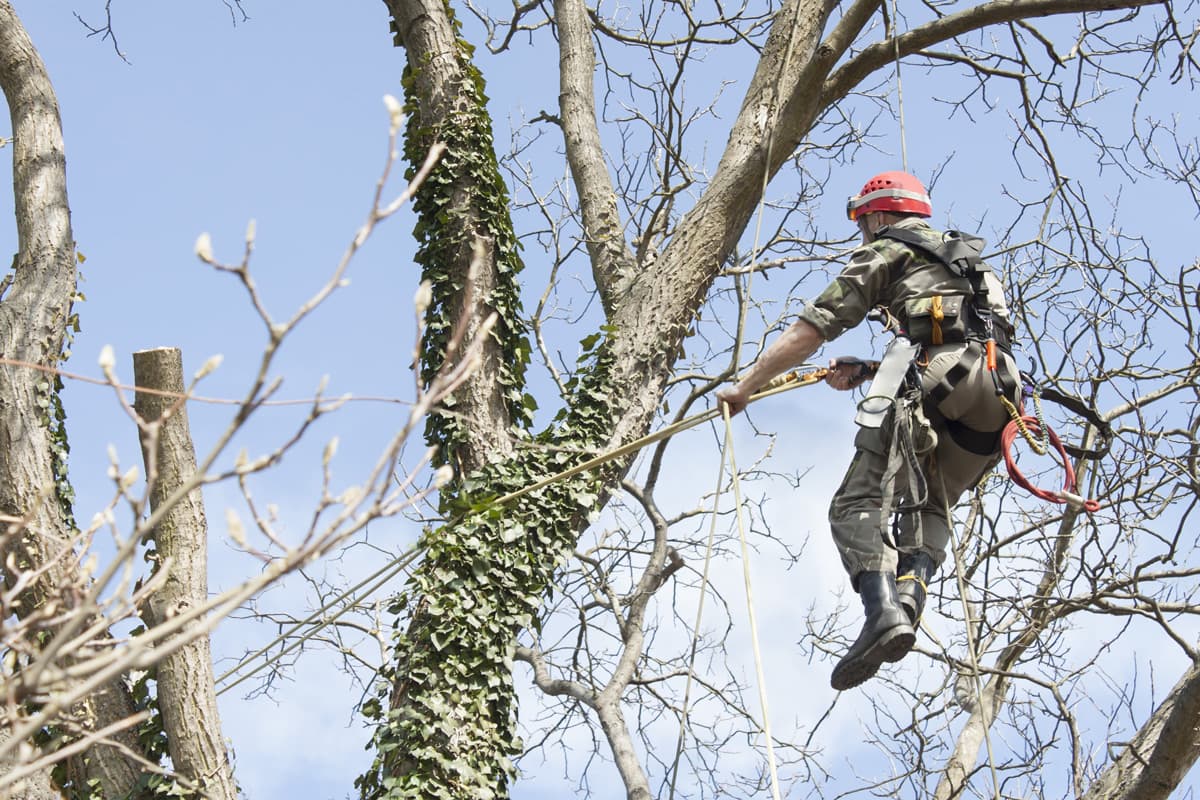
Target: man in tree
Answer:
pixel 935 402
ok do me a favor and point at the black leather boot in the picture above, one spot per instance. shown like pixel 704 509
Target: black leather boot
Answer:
pixel 912 582
pixel 886 634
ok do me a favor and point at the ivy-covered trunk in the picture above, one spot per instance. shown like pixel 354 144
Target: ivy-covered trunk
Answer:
pixel 450 727
pixel 446 716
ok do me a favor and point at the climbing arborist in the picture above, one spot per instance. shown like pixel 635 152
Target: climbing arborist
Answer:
pixel 931 420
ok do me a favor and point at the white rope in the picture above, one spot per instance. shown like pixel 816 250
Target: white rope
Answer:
pixel 727 448
pixel 687 690
pixel 974 658
pixel 899 91
pixel 727 452
pixel 758 661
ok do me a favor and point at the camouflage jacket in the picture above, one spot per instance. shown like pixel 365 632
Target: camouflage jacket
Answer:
pixel 893 274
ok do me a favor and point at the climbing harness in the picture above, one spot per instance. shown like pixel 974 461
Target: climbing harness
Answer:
pixel 941 319
pixel 949 319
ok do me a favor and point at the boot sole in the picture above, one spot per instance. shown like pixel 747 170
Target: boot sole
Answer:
pixel 890 647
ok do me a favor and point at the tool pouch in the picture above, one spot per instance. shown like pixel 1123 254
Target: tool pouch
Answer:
pixel 940 319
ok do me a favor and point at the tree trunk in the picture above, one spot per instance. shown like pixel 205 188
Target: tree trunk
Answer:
pixel 34 319
pixel 34 787
pixel 451 724
pixel 186 695
pixel 612 722
pixel 473 254
pixel 1166 747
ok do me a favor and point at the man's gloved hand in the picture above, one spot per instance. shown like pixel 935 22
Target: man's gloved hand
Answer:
pixel 849 372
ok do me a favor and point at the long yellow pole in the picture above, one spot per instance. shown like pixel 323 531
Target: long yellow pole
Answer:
pixel 791 380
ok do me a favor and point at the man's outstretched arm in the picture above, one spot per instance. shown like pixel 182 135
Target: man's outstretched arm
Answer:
pixel 793 347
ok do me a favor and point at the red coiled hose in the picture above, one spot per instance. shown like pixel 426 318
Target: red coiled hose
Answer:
pixel 1065 495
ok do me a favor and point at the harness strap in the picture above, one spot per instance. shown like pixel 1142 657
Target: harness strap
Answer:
pixel 971 353
pixel 981 443
pixel 902 454
pixel 956 250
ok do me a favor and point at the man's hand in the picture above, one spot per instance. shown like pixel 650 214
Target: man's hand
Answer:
pixel 848 372
pixel 793 347
pixel 736 397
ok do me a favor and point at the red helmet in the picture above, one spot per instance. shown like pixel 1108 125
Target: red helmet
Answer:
pixel 891 191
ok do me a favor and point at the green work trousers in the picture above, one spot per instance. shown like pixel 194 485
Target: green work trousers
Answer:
pixel 862 527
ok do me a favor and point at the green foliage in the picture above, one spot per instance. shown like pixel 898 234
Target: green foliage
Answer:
pixel 465 198
pixel 451 730
pixel 445 712
pixel 53 416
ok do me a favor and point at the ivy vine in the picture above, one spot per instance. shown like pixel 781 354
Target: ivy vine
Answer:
pixel 463 198
pixel 444 713
pixel 51 413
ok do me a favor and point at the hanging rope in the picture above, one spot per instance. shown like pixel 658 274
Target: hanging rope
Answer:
pixel 969 625
pixel 691 671
pixel 727 452
pixel 899 90
pixel 758 660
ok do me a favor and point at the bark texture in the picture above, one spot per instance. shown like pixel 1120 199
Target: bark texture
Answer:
pixel 481 405
pixel 612 261
pixel 33 323
pixel 1162 753
pixel 186 694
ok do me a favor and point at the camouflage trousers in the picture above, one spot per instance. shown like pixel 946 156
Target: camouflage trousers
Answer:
pixel 859 515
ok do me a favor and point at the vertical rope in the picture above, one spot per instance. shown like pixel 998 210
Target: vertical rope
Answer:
pixel 974 658
pixel 687 690
pixel 899 91
pixel 727 452
pixel 727 449
pixel 758 661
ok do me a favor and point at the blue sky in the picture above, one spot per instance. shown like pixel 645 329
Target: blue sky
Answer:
pixel 280 119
